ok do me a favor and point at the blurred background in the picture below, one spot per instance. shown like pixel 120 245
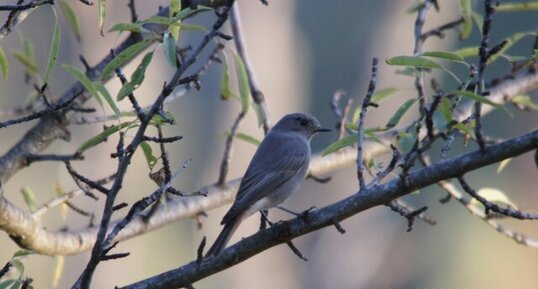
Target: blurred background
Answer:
pixel 302 52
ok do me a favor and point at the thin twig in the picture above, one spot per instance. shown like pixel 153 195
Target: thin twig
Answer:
pixel 360 131
pixel 240 45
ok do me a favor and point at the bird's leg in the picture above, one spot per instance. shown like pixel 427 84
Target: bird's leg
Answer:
pixel 303 215
pixel 265 218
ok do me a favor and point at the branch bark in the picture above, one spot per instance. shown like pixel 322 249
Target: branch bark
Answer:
pixel 369 197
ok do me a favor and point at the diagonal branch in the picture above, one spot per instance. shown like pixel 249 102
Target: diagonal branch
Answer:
pixel 368 198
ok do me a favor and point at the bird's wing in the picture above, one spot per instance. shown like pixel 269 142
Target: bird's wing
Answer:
pixel 276 161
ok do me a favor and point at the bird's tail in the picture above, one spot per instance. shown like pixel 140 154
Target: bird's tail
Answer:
pixel 223 238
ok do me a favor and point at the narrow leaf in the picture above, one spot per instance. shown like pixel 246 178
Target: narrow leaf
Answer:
pixel 95 140
pixel 136 78
pixel 124 56
pixel 29 197
pixel 101 15
pixel 151 160
pixel 22 253
pixel 242 78
pixel 63 207
pixel 466 11
pixel 4 65
pixel 170 49
pixel 247 138
pixel 341 143
pixel 173 28
pixel 481 99
pixel 71 17
pixel 85 81
pixel 226 91
pixel 59 266
pixel 443 55
pixel 517 7
pixel 6 283
pixel 108 98
pixel 133 27
pixel 382 94
pixel 466 52
pixel 406 141
pixel 495 196
pixel 509 42
pixel 413 61
pixel 27 61
pixel 54 47
pixel 395 119
pixel 503 165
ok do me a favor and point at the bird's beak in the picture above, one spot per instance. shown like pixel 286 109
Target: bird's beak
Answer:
pixel 321 129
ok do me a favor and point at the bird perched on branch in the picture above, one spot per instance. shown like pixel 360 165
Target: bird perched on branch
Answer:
pixel 276 171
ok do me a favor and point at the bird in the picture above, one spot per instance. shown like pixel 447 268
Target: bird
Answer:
pixel 275 172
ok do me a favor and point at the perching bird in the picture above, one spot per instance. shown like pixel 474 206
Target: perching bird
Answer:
pixel 276 171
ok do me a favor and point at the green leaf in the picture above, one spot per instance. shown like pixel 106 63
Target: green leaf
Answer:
pixel 59 266
pixel 466 52
pixel 27 61
pixel 395 119
pixel 413 61
pixel 29 197
pixel 247 138
pixel 85 81
pixel 95 140
pixel 101 15
pixel 517 7
pixel 22 253
pixel 54 47
pixel 17 284
pixel 406 141
pixel 170 49
pixel 510 41
pixel 524 101
pixel 226 91
pixel 19 265
pixel 63 207
pixel 378 96
pixel 4 65
pixel 339 144
pixel 108 98
pixel 124 56
pixel 188 12
pixel 443 55
pixel 71 17
pixel 503 165
pixel 151 160
pixel 159 20
pixel 481 99
pixel 244 87
pixel 445 108
pixel 479 20
pixel 136 78
pixel 466 11
pixel 466 129
pixel 133 27
pixel 6 283
pixel 159 120
pixel 193 27
pixel 174 27
pixel 495 196
pixel 260 115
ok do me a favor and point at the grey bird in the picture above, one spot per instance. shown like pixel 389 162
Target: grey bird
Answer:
pixel 276 171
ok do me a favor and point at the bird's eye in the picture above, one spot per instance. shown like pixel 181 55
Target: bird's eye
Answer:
pixel 303 122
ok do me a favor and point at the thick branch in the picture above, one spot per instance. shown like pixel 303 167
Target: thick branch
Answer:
pixel 368 198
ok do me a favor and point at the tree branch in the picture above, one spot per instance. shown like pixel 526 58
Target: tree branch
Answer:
pixel 368 198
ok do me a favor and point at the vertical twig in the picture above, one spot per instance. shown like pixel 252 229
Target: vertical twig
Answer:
pixel 360 132
pixel 240 45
